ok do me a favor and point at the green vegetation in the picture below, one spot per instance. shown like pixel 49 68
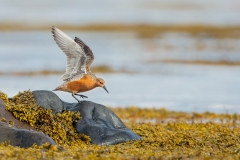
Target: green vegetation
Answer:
pixel 166 135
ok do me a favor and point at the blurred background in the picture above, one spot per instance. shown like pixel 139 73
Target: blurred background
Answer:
pixel 182 55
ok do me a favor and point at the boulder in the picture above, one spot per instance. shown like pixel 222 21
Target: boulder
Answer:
pixel 22 137
pixel 99 122
pixel 48 100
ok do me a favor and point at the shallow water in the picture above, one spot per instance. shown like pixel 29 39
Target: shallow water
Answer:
pixel 179 87
pixel 175 92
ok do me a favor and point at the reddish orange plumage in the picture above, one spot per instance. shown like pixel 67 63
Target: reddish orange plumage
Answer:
pixel 86 83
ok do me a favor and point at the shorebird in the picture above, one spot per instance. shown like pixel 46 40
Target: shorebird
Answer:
pixel 78 76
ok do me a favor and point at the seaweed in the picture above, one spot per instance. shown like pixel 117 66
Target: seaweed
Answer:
pixel 58 126
pixel 165 135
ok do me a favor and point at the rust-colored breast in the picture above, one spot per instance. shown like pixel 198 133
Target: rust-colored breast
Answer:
pixel 86 83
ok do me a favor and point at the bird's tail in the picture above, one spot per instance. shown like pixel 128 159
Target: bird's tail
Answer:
pixel 56 89
pixel 59 88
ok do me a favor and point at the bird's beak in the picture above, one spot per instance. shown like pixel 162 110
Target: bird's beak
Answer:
pixel 105 89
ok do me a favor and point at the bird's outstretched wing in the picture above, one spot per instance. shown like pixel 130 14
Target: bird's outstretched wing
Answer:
pixel 76 58
pixel 88 52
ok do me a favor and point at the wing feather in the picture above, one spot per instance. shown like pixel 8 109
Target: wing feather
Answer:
pixel 76 63
pixel 88 52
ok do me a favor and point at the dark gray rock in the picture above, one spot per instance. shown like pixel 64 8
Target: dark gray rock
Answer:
pixel 100 123
pixel 22 137
pixel 48 100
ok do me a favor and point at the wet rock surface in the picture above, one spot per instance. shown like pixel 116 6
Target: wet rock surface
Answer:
pixel 98 122
pixel 101 124
pixel 22 137
pixel 48 100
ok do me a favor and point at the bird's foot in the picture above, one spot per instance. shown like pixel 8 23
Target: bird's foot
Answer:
pixel 76 98
pixel 78 101
pixel 82 96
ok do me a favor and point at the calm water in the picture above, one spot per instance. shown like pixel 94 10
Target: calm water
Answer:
pixel 153 84
pixel 173 86
pixel 223 12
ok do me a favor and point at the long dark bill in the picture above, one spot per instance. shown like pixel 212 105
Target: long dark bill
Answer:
pixel 105 89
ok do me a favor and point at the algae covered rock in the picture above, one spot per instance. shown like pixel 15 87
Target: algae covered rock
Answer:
pixel 58 126
pixel 97 121
pixel 22 137
pixel 68 123
pixel 8 116
pixel 19 133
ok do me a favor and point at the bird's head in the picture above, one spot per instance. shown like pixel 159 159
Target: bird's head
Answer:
pixel 101 83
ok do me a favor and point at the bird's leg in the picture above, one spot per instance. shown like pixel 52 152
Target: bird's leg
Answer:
pixel 76 98
pixel 82 96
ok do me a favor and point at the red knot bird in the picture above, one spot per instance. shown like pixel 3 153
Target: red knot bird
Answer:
pixel 78 76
